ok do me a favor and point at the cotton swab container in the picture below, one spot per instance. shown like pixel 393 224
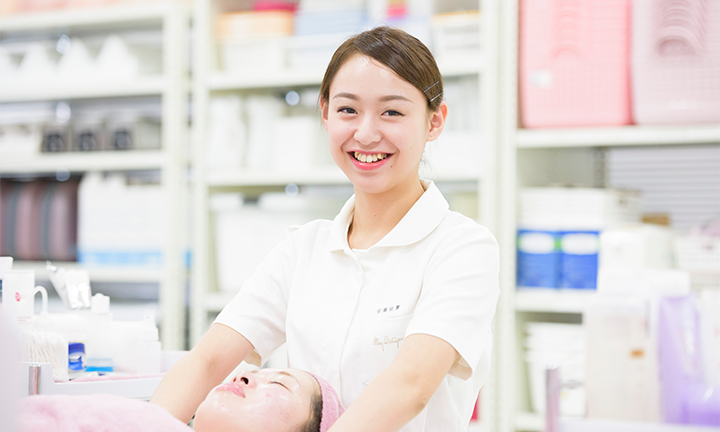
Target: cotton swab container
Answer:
pixel 46 347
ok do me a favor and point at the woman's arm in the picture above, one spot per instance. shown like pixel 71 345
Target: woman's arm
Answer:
pixel 186 384
pixel 402 390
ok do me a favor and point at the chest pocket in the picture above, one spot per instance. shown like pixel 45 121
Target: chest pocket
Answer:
pixel 381 341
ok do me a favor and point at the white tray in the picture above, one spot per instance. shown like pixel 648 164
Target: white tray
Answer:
pixel 142 387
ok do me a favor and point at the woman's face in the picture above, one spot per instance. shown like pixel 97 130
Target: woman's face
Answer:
pixel 268 400
pixel 378 125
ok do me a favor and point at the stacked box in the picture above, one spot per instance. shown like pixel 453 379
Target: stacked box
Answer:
pixel 574 63
pixel 559 236
pixel 676 61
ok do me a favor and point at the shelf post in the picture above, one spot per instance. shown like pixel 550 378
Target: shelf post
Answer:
pixel 174 182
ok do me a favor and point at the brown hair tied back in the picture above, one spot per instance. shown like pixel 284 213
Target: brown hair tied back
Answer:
pixel 404 54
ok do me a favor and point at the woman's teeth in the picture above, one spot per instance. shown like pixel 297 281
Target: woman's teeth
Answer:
pixel 369 158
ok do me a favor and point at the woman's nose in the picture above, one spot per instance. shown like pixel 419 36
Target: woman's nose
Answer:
pixel 245 378
pixel 367 131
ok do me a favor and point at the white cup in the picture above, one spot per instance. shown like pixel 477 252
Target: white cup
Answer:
pixel 18 297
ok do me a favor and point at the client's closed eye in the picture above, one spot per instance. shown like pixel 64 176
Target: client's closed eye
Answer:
pixel 278 382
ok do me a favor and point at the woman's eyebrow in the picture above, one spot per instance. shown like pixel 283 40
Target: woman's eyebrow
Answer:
pixel 290 375
pixel 346 95
pixel 394 97
pixel 382 98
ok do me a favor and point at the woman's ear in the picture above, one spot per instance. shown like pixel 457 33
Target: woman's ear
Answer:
pixel 437 121
pixel 324 110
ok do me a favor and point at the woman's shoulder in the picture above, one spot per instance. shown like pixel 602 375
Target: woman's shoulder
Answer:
pixel 310 231
pixel 456 223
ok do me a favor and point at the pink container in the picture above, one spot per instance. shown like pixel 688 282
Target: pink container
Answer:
pixel 39 5
pixel 574 63
pixel 676 61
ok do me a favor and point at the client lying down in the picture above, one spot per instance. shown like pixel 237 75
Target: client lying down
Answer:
pixel 267 400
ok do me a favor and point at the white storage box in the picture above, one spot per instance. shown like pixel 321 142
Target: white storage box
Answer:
pixel 313 51
pixel 260 56
pixel 245 232
pixel 256 24
pixel 456 36
pixel 577 208
pixel 253 41
pixel 699 256
pixel 120 223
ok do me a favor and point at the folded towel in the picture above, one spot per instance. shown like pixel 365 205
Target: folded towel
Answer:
pixel 94 413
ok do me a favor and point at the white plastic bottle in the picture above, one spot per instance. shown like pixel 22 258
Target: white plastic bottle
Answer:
pixel 99 340
pixel 149 347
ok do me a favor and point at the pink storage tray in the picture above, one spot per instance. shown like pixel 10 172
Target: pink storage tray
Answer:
pixel 676 61
pixel 574 63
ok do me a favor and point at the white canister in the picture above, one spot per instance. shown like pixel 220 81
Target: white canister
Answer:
pixel 18 297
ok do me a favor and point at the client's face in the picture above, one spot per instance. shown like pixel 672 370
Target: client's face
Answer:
pixel 268 400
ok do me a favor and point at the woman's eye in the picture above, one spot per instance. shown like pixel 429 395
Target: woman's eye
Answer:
pixel 278 382
pixel 347 110
pixel 392 113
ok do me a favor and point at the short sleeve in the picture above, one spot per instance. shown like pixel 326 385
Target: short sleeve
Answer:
pixel 459 296
pixel 258 311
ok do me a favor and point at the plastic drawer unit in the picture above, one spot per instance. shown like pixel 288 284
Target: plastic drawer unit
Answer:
pixel 676 61
pixel 574 63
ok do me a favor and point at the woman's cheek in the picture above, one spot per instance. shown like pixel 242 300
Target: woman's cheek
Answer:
pixel 217 414
pixel 280 411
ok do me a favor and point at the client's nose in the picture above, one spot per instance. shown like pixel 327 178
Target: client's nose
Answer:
pixel 245 378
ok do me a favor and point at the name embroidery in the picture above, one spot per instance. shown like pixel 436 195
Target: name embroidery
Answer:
pixel 387 340
pixel 388 309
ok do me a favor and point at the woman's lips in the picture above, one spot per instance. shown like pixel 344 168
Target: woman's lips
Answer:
pixel 232 388
pixel 368 166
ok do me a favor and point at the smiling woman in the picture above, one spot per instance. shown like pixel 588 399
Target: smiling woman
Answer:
pixel 392 300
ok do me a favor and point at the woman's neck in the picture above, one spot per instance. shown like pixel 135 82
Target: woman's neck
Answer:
pixel 376 215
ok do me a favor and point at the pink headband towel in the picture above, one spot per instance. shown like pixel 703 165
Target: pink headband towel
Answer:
pixel 332 408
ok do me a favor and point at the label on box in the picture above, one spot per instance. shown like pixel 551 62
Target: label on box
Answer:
pixel 579 261
pixel 538 259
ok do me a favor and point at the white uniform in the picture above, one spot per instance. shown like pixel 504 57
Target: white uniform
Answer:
pixel 345 312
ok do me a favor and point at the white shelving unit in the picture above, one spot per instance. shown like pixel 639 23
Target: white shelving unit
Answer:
pixel 531 157
pixel 206 299
pixel 617 136
pixel 81 162
pixel 43 91
pixel 172 87
pixel 97 274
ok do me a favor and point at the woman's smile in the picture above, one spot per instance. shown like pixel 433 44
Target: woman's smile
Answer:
pixel 369 161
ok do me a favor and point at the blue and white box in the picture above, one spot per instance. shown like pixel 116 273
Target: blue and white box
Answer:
pixel 538 258
pixel 579 259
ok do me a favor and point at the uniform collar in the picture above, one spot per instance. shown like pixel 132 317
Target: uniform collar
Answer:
pixel 423 217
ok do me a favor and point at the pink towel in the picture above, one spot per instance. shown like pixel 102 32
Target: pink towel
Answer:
pixel 94 413
pixel 332 407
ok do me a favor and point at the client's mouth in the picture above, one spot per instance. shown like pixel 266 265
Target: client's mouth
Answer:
pixel 369 157
pixel 232 388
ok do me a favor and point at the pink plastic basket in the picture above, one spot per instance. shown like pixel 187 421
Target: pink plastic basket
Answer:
pixel 574 63
pixel 676 61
